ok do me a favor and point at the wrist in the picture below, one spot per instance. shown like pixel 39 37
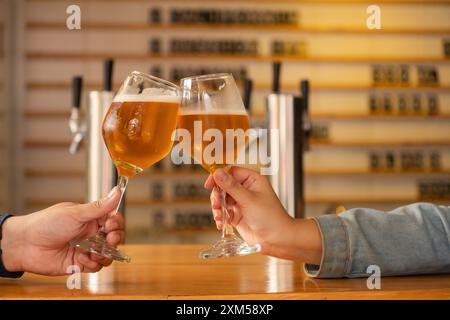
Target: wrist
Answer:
pixel 279 240
pixel 307 241
pixel 299 239
pixel 12 244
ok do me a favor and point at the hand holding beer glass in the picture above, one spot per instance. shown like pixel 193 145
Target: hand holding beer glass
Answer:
pixel 137 131
pixel 211 105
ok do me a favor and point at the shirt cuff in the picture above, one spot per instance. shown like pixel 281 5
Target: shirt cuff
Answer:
pixel 3 272
pixel 335 259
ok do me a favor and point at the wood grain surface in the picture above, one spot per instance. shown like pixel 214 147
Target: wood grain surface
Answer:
pixel 176 272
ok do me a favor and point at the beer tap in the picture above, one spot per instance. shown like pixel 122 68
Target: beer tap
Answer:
pixel 76 124
pixel 101 173
pixel 287 139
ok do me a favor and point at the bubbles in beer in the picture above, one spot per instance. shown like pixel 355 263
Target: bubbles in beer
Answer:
pixel 223 152
pixel 138 129
pixel 133 128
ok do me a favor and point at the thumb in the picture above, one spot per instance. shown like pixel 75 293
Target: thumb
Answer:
pixel 231 186
pixel 97 209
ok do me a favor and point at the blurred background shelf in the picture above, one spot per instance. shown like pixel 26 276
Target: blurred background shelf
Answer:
pixel 202 174
pixel 380 143
pixel 437 143
pixel 64 85
pixel 227 27
pixel 182 203
pixel 358 87
pixel 422 2
pixel 33 114
pixel 228 58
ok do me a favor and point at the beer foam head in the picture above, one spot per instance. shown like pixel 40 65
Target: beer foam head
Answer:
pixel 192 111
pixel 148 95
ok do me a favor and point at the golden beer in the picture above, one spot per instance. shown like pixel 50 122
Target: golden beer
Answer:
pixel 138 133
pixel 221 122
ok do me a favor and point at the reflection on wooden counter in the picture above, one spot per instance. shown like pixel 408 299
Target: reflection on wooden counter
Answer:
pixel 176 272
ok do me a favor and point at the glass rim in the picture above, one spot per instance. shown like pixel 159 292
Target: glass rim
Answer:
pixel 155 79
pixel 205 77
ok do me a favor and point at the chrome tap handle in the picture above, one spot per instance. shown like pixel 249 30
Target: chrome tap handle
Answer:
pixel 307 124
pixel 76 143
pixel 77 87
pixel 108 74
pixel 248 88
pixel 276 68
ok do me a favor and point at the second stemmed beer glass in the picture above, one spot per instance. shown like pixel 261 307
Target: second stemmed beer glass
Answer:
pixel 137 131
pixel 213 103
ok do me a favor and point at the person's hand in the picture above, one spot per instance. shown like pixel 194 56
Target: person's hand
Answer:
pixel 39 242
pixel 257 214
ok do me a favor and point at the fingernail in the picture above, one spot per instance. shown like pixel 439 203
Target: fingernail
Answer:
pixel 221 175
pixel 111 193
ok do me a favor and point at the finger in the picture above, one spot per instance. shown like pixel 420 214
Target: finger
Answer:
pixel 232 186
pixel 88 264
pixel 100 260
pixel 102 220
pixel 94 270
pixel 215 200
pixel 230 201
pixel 219 225
pixel 245 176
pixel 217 215
pixel 216 203
pixel 116 222
pixel 97 209
pixel 210 183
pixel 230 213
pixel 115 237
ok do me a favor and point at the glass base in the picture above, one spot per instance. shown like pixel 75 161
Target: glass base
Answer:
pixel 98 245
pixel 230 248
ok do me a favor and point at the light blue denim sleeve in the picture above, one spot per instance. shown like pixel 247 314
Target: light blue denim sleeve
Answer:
pixel 414 239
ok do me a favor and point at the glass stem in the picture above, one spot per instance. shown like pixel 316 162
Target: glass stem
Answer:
pixel 227 228
pixel 122 184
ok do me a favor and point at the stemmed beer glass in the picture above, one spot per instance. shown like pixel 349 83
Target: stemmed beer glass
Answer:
pixel 137 131
pixel 211 105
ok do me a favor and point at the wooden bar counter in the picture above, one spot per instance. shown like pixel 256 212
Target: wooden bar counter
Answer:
pixel 176 272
